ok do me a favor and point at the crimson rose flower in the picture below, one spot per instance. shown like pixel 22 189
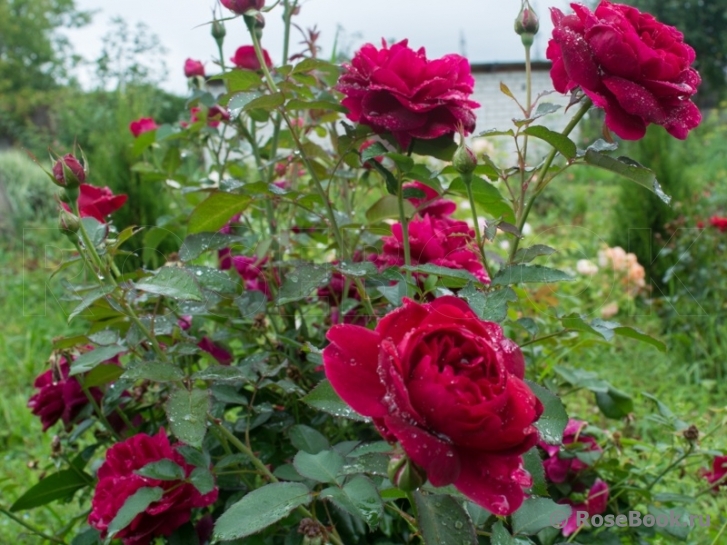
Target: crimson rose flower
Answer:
pixel 74 166
pixel 398 90
pixel 595 504
pixel 718 473
pixel 629 64
pixel 557 468
pixel 719 223
pixel 249 269
pixel 118 480
pixel 431 204
pixel 449 387
pixel 193 68
pixel 242 6
pixel 246 58
pixel 140 126
pixel 97 202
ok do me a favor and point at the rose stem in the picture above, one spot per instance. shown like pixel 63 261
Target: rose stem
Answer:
pixel 473 207
pixel 404 230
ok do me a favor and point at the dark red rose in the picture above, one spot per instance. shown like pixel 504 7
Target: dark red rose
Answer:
pixel 246 58
pixel 629 64
pixel 398 90
pixel 218 352
pixel 595 504
pixel 447 386
pixel 117 481
pixel 252 274
pixel 98 202
pixel 193 68
pixel 431 203
pixel 441 241
pixel 77 174
pixel 719 472
pixel 243 6
pixel 718 222
pixel 140 126
pixel 559 468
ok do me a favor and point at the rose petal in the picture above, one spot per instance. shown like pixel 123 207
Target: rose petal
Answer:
pixel 491 481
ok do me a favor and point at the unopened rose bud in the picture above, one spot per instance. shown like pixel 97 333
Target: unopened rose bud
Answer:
pixel 405 474
pixel 68 222
pixel 256 23
pixel 69 172
pixel 527 24
pixel 218 32
pixel 464 160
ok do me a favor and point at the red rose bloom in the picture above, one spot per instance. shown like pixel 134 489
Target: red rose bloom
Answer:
pixel 558 469
pixel 629 64
pixel 719 223
pixel 595 504
pixel 398 90
pixel 117 481
pixel 718 473
pixel 72 164
pixel 140 126
pixel 98 202
pixel 249 269
pixel 246 58
pixel 431 204
pixel 193 68
pixel 243 6
pixel 449 387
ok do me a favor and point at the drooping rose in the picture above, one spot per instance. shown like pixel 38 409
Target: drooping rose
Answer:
pixel 242 6
pixel 77 174
pixel 562 462
pixel 118 480
pixel 246 58
pixel 431 204
pixel 98 202
pixel 140 126
pixel 718 222
pixel 441 241
pixel 595 504
pixel 449 387
pixel 193 68
pixel 635 68
pixel 398 90
pixel 718 474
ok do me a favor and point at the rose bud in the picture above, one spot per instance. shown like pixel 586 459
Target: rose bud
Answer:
pixel 246 58
pixel 527 24
pixel 142 125
pixel 405 474
pixel 242 6
pixel 193 68
pixel 68 222
pixel 218 32
pixel 464 160
pixel 68 172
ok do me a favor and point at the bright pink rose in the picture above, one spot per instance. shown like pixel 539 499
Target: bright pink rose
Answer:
pixel 629 64
pixel 98 202
pixel 398 90
pixel 448 387
pixel 595 504
pixel 118 480
pixel 440 241
pixel 193 68
pixel 140 126
pixel 562 463
pixel 242 6
pixel 215 115
pixel 72 164
pixel 718 222
pixel 718 473
pixel 246 58
pixel 431 203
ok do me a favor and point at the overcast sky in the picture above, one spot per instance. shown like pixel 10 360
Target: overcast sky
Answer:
pixel 483 28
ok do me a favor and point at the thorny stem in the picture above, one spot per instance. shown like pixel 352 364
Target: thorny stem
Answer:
pixel 478 232
pixel 404 221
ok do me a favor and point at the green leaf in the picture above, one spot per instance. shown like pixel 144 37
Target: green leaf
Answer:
pixel 215 211
pixel 442 519
pixel 487 197
pixel 490 306
pixel 57 486
pixel 538 513
pixel 392 184
pixel 526 255
pixel 187 414
pixel 534 465
pixel 360 498
pixel 608 329
pixel 172 282
pixel 265 102
pixel 516 274
pixel 135 504
pixel 203 480
pixel 222 373
pixel 297 104
pixel 441 148
pixel 96 230
pixel 195 245
pixel 102 375
pixel 356 270
pixel 680 532
pixel 259 509
pixel 614 403
pixel 459 276
pixel 554 419
pixel 152 239
pixel 565 146
pixel 86 362
pixel 155 371
pixel 301 282
pixel 633 333
pixel 90 536
pixel 214 280
pixel 89 299
pixel 307 439
pixel 240 80
pixel 387 207
pixel 163 470
pixel 322 467
pixel 628 168
pixel 324 398
pixel 500 536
